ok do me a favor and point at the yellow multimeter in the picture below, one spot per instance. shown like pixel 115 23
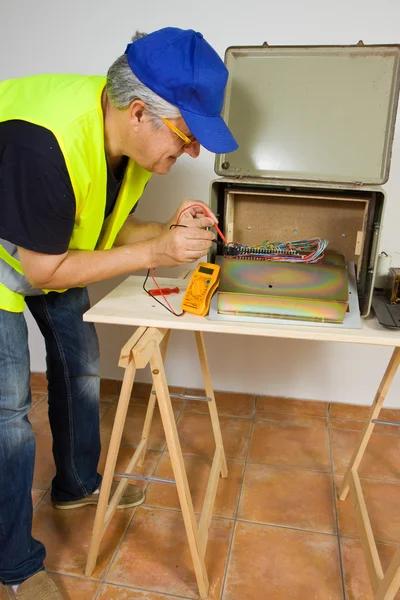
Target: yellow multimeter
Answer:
pixel 203 284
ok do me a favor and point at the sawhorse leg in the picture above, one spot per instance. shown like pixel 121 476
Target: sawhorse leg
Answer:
pixel 150 345
pixel 105 509
pixel 152 404
pixel 201 349
pixel 385 586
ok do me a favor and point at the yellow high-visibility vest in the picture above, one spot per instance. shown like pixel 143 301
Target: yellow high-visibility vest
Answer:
pixel 70 107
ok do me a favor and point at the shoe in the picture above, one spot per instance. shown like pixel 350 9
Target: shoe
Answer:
pixel 38 587
pixel 133 496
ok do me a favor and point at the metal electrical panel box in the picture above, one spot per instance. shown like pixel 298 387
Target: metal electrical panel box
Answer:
pixel 315 128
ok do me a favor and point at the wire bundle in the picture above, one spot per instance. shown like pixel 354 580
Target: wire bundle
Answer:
pixel 304 251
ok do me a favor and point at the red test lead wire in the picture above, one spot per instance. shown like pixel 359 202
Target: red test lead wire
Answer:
pixel 161 292
pixel 221 235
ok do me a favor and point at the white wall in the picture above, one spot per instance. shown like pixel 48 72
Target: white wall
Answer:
pixel 85 36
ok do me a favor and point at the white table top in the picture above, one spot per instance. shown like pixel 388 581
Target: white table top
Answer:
pixel 128 304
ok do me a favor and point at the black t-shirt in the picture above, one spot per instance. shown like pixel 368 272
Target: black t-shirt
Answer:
pixel 37 202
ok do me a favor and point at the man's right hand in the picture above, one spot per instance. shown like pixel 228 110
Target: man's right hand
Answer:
pixel 180 245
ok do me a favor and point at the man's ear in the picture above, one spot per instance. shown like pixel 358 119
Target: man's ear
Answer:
pixel 136 112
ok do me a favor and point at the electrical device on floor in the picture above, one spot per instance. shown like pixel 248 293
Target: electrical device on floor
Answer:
pixel 201 288
pixel 315 143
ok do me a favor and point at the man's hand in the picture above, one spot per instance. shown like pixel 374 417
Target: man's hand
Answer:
pixel 193 213
pixel 134 230
pixel 181 245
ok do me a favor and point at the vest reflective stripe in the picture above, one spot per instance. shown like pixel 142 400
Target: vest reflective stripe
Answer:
pixel 9 253
pixel 16 282
pixel 12 249
pixel 11 278
pixel 70 107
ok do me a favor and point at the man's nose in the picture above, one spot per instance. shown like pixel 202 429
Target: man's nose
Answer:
pixel 193 150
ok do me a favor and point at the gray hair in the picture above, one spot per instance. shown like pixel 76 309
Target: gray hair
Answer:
pixel 123 87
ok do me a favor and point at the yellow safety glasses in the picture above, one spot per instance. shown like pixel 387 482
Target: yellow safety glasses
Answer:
pixel 178 132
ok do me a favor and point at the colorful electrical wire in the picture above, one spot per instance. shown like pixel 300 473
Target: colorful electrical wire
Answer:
pixel 304 251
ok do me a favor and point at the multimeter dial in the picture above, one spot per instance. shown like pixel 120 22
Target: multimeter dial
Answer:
pixel 198 288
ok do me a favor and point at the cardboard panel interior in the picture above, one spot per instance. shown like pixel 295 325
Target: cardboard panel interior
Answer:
pixel 254 217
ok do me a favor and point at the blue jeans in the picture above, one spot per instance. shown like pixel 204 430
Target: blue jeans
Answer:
pixel 72 358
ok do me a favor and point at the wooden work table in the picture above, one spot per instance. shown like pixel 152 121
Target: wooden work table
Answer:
pixel 129 305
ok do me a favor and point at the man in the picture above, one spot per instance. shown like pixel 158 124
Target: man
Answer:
pixel 76 153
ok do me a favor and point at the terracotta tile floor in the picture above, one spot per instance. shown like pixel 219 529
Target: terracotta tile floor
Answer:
pixel 278 530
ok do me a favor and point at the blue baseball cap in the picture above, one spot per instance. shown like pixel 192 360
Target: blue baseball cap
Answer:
pixel 182 68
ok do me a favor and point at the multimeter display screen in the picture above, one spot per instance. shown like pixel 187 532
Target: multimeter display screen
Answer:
pixel 205 270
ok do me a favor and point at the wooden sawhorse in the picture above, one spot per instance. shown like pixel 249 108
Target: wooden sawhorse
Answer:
pixel 385 586
pixel 149 345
